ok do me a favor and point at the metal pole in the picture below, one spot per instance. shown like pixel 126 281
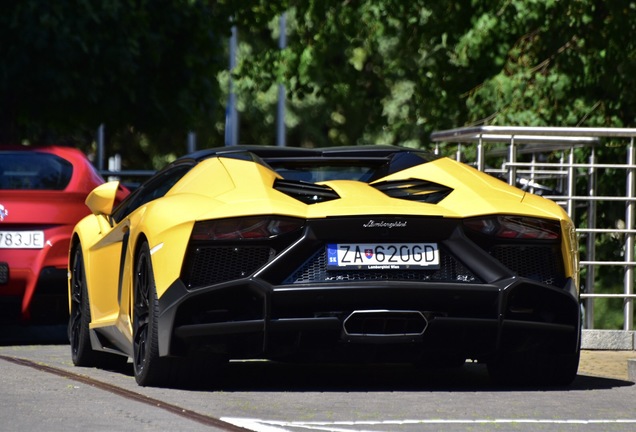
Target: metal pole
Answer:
pixel 481 164
pixel 280 117
pixel 512 157
pixel 231 115
pixel 100 147
pixel 591 244
pixel 192 142
pixel 571 184
pixel 629 240
pixel 532 173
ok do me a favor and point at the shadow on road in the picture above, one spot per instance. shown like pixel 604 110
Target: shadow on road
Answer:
pixel 270 376
pixel 18 334
pixel 266 376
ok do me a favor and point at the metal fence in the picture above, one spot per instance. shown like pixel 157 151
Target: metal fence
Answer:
pixel 570 166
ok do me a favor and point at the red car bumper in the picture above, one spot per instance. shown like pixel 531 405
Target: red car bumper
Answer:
pixel 29 276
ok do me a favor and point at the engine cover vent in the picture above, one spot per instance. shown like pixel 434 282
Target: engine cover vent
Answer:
pixel 414 190
pixel 308 193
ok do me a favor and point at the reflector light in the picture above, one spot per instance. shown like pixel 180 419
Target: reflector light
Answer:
pixel 515 227
pixel 248 228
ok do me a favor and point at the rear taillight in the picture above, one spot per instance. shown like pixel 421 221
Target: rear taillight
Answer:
pixel 247 228
pixel 515 227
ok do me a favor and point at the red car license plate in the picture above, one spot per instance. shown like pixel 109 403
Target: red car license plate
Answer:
pixel 21 239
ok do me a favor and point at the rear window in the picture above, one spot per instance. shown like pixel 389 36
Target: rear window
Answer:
pixel 326 172
pixel 365 167
pixel 33 171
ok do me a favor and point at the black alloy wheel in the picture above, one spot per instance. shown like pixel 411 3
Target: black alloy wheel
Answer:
pixel 82 353
pixel 149 368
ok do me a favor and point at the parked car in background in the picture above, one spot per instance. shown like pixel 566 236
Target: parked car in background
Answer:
pixel 42 194
pixel 367 254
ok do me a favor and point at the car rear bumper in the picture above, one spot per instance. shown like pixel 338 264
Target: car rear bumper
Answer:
pixel 26 296
pixel 35 275
pixel 391 320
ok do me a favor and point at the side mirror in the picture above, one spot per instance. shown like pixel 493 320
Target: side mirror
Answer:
pixel 102 198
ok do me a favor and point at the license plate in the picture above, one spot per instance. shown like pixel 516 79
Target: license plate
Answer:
pixel 382 256
pixel 21 239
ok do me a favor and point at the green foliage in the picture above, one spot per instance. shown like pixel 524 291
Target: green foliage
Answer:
pixel 379 71
pixel 354 71
pixel 146 66
pixel 392 71
pixel 559 63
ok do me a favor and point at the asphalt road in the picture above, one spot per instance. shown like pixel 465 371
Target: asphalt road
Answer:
pixel 42 391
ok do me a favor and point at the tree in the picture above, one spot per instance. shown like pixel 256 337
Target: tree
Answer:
pixel 364 71
pixel 373 71
pixel 558 63
pixel 140 67
pixel 393 71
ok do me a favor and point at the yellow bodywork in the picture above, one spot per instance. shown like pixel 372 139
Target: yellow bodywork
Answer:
pixel 209 191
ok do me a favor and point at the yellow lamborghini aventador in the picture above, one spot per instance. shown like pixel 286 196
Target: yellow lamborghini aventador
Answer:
pixel 368 253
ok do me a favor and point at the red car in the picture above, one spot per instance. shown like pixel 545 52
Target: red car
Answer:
pixel 42 193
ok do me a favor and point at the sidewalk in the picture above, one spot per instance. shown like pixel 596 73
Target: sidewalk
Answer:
pixel 606 364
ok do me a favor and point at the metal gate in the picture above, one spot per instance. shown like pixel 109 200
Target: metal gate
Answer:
pixel 570 166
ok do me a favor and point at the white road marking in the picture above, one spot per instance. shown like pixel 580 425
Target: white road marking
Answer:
pixel 260 425
pixel 252 424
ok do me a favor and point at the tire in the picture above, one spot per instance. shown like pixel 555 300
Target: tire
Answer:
pixel 149 368
pixel 82 353
pixel 534 369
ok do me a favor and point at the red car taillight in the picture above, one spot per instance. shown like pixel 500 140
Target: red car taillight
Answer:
pixel 515 227
pixel 247 228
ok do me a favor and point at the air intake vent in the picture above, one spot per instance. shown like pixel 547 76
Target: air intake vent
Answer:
pixel 215 264
pixel 309 193
pixel 414 190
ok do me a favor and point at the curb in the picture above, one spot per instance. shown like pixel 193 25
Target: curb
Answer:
pixel 631 370
pixel 611 340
